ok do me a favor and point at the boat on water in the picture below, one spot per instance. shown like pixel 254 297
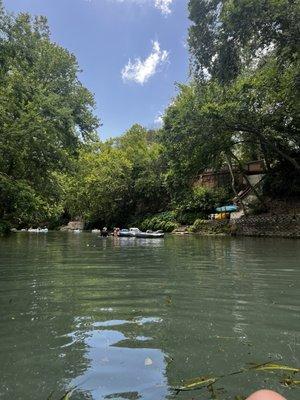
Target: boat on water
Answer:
pixel 124 233
pixel 135 232
pixel 37 230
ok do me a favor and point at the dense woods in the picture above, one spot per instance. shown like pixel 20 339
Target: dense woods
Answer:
pixel 241 104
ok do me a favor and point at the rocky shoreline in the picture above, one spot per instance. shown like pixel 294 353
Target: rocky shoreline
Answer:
pixel 281 226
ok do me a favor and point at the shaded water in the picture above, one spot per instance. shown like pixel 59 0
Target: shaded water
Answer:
pixel 129 319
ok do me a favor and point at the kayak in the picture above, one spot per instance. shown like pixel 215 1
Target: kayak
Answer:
pixel 124 233
pixel 229 208
pixel 135 232
pixel 150 235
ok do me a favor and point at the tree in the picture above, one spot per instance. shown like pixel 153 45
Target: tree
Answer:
pixel 99 188
pixel 147 191
pixel 227 36
pixel 117 180
pixel 249 50
pixel 193 138
pixel 261 108
pixel 45 113
pixel 210 123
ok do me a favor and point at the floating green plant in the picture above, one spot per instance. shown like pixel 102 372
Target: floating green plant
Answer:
pixel 290 382
pixel 196 383
pixel 274 367
pixel 208 382
pixel 67 395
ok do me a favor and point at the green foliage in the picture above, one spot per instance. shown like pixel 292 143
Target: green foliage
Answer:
pixel 45 113
pixel 245 56
pixel 242 104
pixel 188 217
pixel 283 182
pixel 163 221
pixel 116 180
pixel 147 191
pixel 256 208
pixel 210 227
pixel 98 188
pixel 198 203
pixel 261 109
pixel 254 118
pixel 22 205
pixel 4 228
pixel 197 225
pixel 227 36
pixel 192 137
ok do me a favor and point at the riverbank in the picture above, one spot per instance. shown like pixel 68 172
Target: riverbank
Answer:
pixel 276 226
pixel 281 226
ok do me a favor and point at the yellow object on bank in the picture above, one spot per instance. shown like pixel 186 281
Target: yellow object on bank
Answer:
pixel 221 216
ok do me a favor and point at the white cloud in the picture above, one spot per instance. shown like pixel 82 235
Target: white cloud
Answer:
pixel 139 70
pixel 158 120
pixel 164 6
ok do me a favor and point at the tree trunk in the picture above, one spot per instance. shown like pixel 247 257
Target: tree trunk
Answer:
pixel 269 143
pixel 265 155
pixel 233 183
pixel 259 197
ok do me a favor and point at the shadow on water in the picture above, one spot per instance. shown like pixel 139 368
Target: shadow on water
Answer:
pixel 129 319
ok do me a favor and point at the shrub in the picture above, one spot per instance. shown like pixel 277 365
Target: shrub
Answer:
pixel 210 227
pixel 257 208
pixel 164 221
pixel 200 202
pixel 197 225
pixel 188 217
pixel 4 228
pixel 170 226
pixel 283 182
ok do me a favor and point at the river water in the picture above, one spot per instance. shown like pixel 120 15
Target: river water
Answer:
pixel 131 318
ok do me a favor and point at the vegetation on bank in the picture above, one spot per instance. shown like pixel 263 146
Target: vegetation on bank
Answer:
pixel 194 204
pixel 241 104
pixel 204 226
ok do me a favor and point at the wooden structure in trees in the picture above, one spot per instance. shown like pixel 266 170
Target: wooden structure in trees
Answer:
pixel 222 178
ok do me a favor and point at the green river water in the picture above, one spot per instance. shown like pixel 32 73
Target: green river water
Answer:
pixel 131 318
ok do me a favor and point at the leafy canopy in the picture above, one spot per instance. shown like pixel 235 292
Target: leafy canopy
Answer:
pixel 45 114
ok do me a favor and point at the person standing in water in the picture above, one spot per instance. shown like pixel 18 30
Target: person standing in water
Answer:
pixel 104 232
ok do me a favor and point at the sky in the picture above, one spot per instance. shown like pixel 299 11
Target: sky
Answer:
pixel 131 53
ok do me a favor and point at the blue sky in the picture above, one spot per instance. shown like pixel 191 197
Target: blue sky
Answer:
pixel 131 53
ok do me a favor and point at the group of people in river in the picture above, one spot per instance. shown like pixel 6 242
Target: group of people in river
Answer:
pixel 105 232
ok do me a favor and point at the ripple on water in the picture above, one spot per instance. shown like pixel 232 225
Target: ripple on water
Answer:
pixel 130 319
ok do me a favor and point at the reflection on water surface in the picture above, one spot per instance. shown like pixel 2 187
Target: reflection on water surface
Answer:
pixel 129 319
